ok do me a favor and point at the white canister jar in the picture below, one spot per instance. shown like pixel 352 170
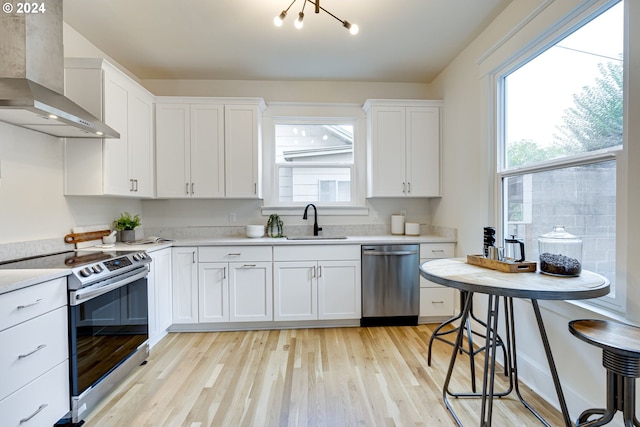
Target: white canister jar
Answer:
pixel 397 224
pixel 412 229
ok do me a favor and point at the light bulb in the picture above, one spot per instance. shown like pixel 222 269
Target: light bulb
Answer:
pixel 353 28
pixel 299 24
pixel 277 21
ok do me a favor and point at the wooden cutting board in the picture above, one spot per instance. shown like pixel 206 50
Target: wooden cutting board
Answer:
pixel 87 236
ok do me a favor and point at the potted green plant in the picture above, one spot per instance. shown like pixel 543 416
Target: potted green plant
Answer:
pixel 126 225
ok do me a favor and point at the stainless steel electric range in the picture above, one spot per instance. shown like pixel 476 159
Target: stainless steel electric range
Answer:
pixel 108 319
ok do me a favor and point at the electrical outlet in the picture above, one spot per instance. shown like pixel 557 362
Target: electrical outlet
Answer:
pixel 232 217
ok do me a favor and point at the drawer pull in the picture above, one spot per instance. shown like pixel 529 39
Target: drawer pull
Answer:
pixel 249 266
pixel 40 347
pixel 437 302
pixel 437 250
pixel 40 409
pixel 235 254
pixel 20 307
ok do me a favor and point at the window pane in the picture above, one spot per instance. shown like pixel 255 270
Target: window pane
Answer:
pixel 582 198
pixel 317 143
pixel 568 100
pixel 313 184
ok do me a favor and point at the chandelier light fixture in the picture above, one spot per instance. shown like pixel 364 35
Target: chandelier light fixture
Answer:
pixel 353 28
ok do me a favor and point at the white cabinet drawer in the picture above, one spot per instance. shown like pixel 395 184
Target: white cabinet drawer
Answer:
pixel 32 348
pixel 27 303
pixel 40 403
pixel 437 250
pixel 436 302
pixel 316 252
pixel 234 253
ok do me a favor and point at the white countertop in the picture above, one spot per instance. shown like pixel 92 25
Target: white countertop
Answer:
pixel 350 240
pixel 11 280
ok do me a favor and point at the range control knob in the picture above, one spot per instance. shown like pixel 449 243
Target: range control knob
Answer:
pixel 97 268
pixel 137 257
pixel 85 272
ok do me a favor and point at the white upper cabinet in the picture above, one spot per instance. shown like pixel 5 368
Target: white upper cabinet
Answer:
pixel 403 148
pixel 116 167
pixel 208 147
pixel 190 150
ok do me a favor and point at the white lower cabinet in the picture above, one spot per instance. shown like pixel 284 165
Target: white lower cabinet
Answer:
pixel 184 284
pixel 159 295
pixel 34 355
pixel 235 284
pixel 317 282
pixel 295 290
pixel 437 302
pixel 42 402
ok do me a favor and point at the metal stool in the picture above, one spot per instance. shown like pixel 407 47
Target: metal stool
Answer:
pixel 439 334
pixel 620 345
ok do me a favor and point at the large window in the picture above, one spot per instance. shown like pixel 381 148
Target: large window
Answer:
pixel 314 161
pixel 561 130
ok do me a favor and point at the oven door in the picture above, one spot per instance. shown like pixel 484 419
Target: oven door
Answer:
pixel 107 324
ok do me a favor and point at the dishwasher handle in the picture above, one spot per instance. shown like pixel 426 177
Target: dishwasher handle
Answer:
pixel 387 253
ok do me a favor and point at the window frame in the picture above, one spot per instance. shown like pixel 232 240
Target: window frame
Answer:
pixel 616 300
pixel 314 113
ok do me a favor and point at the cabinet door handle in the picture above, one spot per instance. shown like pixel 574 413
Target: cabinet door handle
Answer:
pixel 319 271
pixel 40 408
pixel 224 273
pixel 38 301
pixel 404 187
pixel 130 185
pixel 409 187
pixel 136 182
pixel 40 347
pixel 193 254
pixel 313 273
pixel 186 188
pixel 193 188
pixel 255 188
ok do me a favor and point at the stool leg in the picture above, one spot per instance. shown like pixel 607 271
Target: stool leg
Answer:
pixel 607 414
pixel 436 332
pixel 629 402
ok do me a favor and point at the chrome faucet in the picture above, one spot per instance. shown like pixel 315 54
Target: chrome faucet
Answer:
pixel 315 218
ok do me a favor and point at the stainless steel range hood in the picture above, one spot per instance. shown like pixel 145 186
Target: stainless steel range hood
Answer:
pixel 32 77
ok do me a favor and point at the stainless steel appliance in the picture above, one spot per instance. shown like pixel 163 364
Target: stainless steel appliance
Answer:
pixel 108 319
pixel 390 285
pixel 32 75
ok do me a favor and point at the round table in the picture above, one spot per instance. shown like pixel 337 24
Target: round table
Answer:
pixel 457 273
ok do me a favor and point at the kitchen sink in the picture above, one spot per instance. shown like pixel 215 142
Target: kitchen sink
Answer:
pixel 315 237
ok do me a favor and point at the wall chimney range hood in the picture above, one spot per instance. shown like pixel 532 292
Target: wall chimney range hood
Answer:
pixel 32 77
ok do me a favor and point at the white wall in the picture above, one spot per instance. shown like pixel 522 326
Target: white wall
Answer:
pixel 32 206
pixel 468 187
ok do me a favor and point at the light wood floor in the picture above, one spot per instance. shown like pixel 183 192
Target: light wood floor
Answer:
pixel 338 377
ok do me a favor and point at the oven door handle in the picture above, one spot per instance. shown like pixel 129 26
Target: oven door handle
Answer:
pixel 85 294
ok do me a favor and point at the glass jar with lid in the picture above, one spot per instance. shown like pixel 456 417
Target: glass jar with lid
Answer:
pixel 560 253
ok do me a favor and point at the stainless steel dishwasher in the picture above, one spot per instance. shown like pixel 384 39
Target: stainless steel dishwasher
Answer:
pixel 390 285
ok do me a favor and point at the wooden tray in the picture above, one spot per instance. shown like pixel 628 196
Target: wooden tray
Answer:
pixel 506 267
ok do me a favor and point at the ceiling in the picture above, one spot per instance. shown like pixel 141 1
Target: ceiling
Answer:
pixel 399 40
